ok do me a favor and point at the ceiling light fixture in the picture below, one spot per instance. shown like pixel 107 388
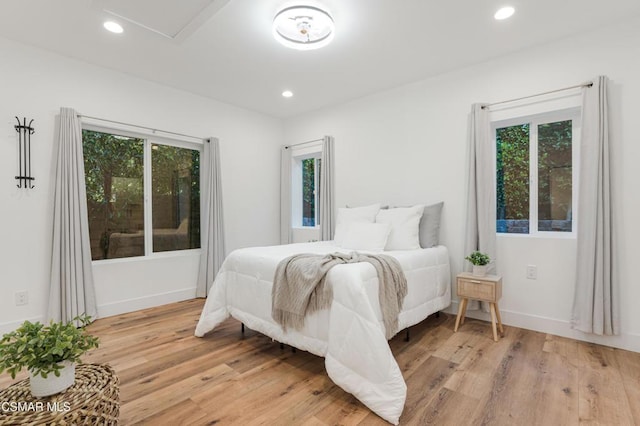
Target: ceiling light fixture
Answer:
pixel 287 93
pixel 114 27
pixel 303 27
pixel 504 13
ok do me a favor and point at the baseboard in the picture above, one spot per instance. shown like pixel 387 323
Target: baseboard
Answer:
pixel 8 327
pixel 131 305
pixel 628 341
pixel 119 307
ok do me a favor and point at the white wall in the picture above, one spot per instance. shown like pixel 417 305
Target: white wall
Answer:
pixel 35 84
pixel 408 145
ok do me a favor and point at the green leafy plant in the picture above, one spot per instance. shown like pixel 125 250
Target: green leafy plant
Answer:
pixel 42 349
pixel 478 258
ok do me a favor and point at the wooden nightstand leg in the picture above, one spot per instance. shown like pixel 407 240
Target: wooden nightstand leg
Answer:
pixel 465 303
pixel 461 307
pixel 499 321
pixel 493 321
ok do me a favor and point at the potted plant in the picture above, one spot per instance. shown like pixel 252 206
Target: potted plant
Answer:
pixel 479 261
pixel 48 352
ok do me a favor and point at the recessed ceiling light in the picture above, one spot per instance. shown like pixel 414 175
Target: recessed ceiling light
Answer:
pixel 504 13
pixel 114 27
pixel 303 27
pixel 287 93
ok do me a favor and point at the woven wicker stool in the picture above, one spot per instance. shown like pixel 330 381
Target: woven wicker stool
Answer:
pixel 94 399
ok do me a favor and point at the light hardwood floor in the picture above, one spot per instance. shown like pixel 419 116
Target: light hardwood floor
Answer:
pixel 465 378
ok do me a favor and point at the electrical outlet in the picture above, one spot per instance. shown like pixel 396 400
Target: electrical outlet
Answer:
pixel 22 298
pixel 532 272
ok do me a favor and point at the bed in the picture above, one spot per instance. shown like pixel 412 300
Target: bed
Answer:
pixel 350 334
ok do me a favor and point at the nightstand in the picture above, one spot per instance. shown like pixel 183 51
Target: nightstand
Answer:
pixel 487 289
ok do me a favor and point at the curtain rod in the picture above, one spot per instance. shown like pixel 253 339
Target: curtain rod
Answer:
pixel 587 84
pixel 302 143
pixel 141 127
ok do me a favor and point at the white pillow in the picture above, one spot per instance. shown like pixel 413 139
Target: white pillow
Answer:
pixel 366 236
pixel 405 226
pixel 347 216
pixel 430 225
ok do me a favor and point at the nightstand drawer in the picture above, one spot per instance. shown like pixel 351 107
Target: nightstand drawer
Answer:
pixel 478 289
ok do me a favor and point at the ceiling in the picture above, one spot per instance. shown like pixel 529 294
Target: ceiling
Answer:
pixel 223 49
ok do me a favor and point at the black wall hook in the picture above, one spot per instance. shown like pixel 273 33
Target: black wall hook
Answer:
pixel 24 153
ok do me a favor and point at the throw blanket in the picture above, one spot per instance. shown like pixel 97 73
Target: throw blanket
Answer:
pixel 299 287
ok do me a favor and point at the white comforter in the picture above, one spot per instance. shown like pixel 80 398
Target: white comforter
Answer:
pixel 350 335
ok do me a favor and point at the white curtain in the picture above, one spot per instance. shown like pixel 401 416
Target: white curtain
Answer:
pixel 72 290
pixel 211 220
pixel 481 188
pixel 596 298
pixel 480 228
pixel 285 195
pixel 327 196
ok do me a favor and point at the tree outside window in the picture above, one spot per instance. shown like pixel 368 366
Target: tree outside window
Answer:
pixel 534 177
pixel 310 190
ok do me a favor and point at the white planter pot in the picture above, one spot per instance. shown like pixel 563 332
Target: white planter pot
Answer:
pixel 51 385
pixel 479 270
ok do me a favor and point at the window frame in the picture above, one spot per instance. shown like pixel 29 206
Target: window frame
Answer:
pixel 299 153
pixel 296 193
pixel 150 139
pixel 572 113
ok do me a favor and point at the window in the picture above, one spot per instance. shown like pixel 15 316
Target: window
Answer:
pixel 305 186
pixel 310 190
pixel 143 196
pixel 175 185
pixel 536 173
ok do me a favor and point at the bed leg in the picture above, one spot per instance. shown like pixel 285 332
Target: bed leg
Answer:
pixel 242 328
pixel 438 314
pixel 406 339
pixel 281 345
pixel 293 349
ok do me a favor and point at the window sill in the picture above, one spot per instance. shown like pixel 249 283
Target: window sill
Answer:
pixel 540 235
pixel 153 256
pixel 307 228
